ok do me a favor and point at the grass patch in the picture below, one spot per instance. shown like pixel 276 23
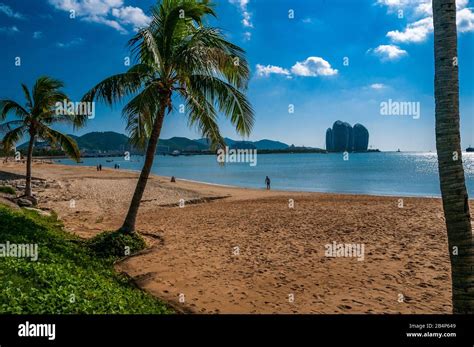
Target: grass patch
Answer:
pixel 67 278
pixel 7 190
pixel 116 244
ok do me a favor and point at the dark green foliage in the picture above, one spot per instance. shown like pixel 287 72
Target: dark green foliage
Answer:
pixel 67 278
pixel 7 190
pixel 116 244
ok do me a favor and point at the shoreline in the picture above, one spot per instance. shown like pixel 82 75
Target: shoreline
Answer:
pixel 274 190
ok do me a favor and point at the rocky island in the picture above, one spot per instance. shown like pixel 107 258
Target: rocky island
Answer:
pixel 343 137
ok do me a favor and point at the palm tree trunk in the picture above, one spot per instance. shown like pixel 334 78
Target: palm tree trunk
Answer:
pixel 448 145
pixel 129 223
pixel 29 159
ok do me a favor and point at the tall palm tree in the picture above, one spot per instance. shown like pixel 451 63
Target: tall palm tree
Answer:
pixel 35 120
pixel 178 57
pixel 448 145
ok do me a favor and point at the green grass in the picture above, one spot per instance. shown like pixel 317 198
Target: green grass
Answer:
pixel 115 245
pixel 7 190
pixel 67 278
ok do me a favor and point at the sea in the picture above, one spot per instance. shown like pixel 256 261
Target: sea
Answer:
pixel 384 173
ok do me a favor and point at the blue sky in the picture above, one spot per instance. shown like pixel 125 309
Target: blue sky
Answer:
pixel 327 60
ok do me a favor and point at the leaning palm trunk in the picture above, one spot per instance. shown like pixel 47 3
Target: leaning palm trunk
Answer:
pixel 448 145
pixel 29 160
pixel 129 223
pixel 178 58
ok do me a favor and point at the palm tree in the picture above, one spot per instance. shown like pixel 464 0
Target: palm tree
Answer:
pixel 36 119
pixel 178 57
pixel 448 145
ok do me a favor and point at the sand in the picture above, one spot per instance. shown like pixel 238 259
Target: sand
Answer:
pixel 234 250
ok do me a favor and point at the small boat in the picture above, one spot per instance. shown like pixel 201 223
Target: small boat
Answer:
pixel 109 160
pixel 470 149
pixel 175 153
pixel 398 150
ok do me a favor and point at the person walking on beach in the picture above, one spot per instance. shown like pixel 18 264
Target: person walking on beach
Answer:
pixel 100 167
pixel 267 182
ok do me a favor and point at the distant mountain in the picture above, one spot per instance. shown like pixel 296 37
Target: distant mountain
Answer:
pixel 270 144
pixel 94 141
pixel 180 144
pixel 103 141
pixel 110 141
pixel 38 145
pixel 260 145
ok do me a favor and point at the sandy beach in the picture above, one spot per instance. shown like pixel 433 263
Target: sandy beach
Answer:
pixel 235 250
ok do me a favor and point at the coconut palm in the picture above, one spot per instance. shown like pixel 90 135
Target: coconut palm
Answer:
pixel 178 58
pixel 448 145
pixel 35 120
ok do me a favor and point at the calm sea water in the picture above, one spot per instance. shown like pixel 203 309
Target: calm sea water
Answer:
pixel 405 174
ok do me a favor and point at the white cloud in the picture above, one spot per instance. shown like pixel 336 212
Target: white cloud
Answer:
pixel 87 7
pixel 132 15
pixel 414 32
pixel 7 10
pixel 241 3
pixel 37 35
pixel 424 6
pixel 9 30
pixel 265 71
pixel 312 67
pixel 246 15
pixel 393 5
pixel 109 22
pixel 378 86
pixel 465 20
pixel 421 25
pixel 247 36
pixel 424 9
pixel 112 13
pixel 246 21
pixel 75 42
pixel 388 52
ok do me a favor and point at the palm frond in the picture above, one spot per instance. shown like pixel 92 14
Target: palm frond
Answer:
pixel 207 52
pixel 230 101
pixel 26 92
pixel 202 114
pixel 144 47
pixel 140 113
pixel 12 137
pixel 114 88
pixel 42 90
pixel 68 145
pixel 9 126
pixel 7 106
